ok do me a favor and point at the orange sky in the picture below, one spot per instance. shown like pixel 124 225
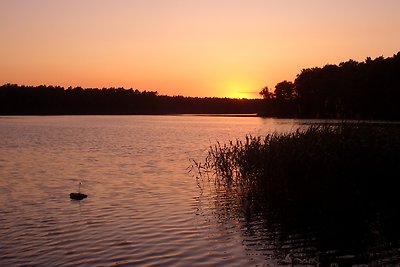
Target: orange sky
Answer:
pixel 192 48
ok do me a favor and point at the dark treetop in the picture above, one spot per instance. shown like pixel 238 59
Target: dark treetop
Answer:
pixel 350 90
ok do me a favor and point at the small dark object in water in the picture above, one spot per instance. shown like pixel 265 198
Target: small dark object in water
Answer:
pixel 77 196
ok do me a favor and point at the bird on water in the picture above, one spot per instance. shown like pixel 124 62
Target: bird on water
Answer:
pixel 79 195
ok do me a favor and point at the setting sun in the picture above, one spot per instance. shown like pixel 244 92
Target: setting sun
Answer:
pixel 240 89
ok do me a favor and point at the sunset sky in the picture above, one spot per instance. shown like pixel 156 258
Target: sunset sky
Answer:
pixel 188 47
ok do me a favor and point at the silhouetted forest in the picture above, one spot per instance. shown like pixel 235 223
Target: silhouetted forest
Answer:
pixel 56 100
pixel 350 90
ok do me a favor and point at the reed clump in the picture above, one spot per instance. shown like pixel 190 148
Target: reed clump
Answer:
pixel 326 166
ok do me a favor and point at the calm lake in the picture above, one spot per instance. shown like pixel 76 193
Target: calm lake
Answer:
pixel 143 207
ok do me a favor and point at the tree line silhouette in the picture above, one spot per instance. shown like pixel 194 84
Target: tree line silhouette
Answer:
pixel 350 90
pixel 56 100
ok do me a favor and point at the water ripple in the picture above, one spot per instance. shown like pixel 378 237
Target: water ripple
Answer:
pixel 143 209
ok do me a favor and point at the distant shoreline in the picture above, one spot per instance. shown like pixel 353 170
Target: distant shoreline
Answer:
pixel 251 115
pixel 305 120
pixel 50 100
pixel 219 115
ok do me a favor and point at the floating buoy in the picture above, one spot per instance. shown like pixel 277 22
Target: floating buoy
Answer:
pixel 79 195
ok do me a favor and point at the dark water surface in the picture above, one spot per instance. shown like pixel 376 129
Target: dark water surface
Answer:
pixel 143 208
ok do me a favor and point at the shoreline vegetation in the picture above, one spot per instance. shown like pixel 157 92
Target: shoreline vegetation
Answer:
pixel 352 90
pixel 320 161
pixel 337 183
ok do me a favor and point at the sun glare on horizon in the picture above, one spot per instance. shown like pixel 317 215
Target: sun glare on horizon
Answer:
pixel 241 95
pixel 240 89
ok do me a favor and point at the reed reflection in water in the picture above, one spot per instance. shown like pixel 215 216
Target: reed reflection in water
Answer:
pixel 286 237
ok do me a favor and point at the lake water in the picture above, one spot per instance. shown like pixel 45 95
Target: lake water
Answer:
pixel 143 209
